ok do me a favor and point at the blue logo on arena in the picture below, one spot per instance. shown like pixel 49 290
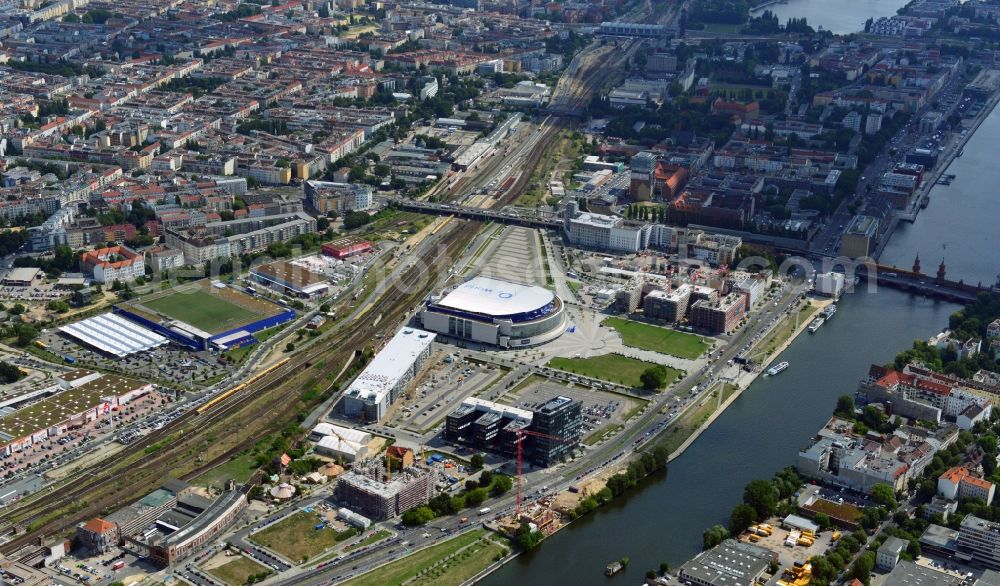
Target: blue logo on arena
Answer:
pixel 505 295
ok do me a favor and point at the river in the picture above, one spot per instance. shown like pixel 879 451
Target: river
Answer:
pixel 760 433
pixel 841 17
pixel 959 225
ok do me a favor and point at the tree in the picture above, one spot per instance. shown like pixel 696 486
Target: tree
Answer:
pixel 486 479
pixel 477 461
pixel 9 373
pixel 713 536
pixel 25 334
pixel 742 517
pixel 845 406
pixel 884 495
pixel 654 377
pixel 762 496
pixel 418 516
pixel 501 484
pixel 862 567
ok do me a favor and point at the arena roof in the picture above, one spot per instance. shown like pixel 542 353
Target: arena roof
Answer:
pixel 488 296
pixel 114 335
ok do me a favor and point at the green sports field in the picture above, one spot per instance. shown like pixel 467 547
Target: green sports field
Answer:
pixel 204 310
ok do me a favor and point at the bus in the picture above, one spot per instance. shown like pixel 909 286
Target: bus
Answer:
pixel 118 565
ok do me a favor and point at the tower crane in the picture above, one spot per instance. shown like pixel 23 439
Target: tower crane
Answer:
pixel 520 444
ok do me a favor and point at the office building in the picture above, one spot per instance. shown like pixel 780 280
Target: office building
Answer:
pixel 981 539
pixel 386 376
pixel 857 241
pixel 560 419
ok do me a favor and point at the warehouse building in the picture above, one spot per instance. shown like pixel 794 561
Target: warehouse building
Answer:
pixel 346 246
pixel 731 563
pixel 497 313
pixel 290 279
pixel 386 376
pixel 114 335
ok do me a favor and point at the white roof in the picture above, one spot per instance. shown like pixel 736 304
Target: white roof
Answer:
pixel 390 365
pixel 494 297
pixel 484 405
pixel 332 443
pixel 114 334
pixel 351 435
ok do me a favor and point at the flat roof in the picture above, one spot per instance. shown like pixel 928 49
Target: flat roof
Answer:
pixel 21 274
pixel 489 296
pixel 63 405
pixel 491 407
pixel 289 274
pixel 113 334
pixel 910 574
pixel 390 365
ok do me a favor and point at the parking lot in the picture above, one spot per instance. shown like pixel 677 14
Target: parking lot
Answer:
pixel 55 451
pixel 440 389
pixel 33 293
pixel 169 364
pixel 601 410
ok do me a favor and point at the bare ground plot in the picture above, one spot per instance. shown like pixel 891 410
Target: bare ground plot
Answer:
pixel 234 571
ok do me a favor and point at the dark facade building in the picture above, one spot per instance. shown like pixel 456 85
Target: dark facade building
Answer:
pixel 559 417
pixel 493 427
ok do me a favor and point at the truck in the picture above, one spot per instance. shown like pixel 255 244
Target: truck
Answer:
pixel 484 511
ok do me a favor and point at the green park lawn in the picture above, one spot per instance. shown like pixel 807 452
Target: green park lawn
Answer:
pixel 613 368
pixel 657 339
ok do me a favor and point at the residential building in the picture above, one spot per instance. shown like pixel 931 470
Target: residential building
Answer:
pixel 326 196
pixel 888 554
pixel 959 483
pixel 718 316
pixel 667 306
pixel 117 263
pixel 368 489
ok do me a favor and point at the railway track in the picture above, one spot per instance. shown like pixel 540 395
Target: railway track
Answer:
pixel 275 397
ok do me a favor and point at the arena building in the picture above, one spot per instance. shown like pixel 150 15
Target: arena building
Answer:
pixel 497 313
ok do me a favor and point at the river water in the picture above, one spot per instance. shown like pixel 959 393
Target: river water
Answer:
pixel 759 434
pixel 840 17
pixel 959 225
pixel 762 431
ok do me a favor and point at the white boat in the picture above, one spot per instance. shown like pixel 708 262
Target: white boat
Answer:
pixel 816 324
pixel 777 369
pixel 829 311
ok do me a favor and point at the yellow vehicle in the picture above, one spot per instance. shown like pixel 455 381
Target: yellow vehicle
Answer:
pixel 835 536
pixel 754 538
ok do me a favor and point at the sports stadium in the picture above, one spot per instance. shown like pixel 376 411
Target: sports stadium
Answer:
pixel 498 313
pixel 205 314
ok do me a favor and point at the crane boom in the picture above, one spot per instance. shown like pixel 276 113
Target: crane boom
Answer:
pixel 520 441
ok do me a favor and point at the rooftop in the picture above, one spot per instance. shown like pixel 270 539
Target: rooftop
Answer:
pixel 390 365
pixel 489 296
